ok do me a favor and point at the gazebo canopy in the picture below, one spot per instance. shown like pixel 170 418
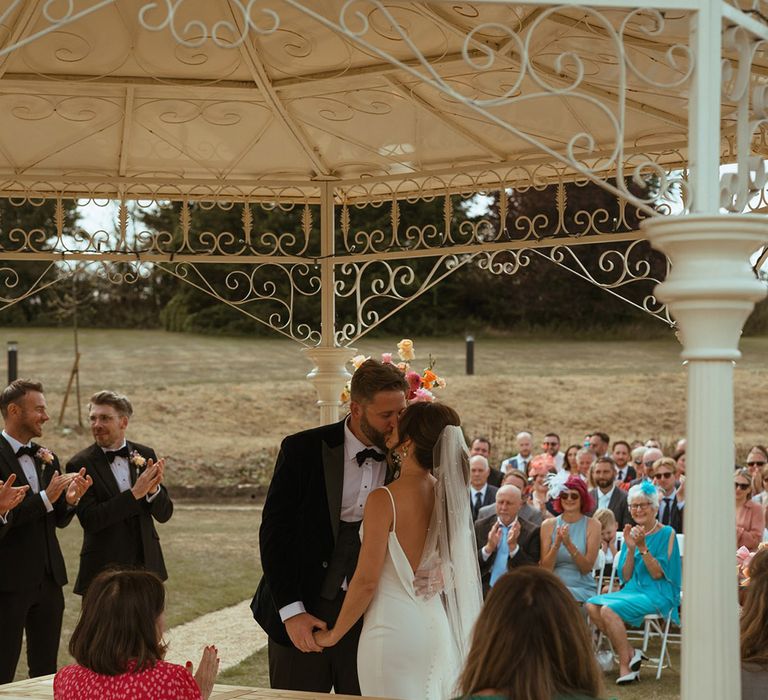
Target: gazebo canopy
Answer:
pixel 219 99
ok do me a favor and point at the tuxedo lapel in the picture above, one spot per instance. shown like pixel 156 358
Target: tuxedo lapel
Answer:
pixel 131 465
pixel 103 470
pixel 13 462
pixel 333 468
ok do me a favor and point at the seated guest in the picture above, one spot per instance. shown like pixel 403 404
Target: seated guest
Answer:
pixel 504 540
pixel 650 456
pixel 118 646
pixel 569 463
pixel 650 568
pixel 515 477
pixel 671 496
pixel 606 492
pixel 750 520
pixel 538 472
pixel 545 655
pixel 621 454
pixel 608 544
pixel 757 459
pixel 481 445
pixel 569 543
pixel 584 459
pixel 754 631
pixel 524 454
pixel 481 493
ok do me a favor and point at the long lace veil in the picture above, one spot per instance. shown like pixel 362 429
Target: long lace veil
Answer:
pixel 451 538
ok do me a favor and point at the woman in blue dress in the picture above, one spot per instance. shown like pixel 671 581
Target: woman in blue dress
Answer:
pixel 650 568
pixel 569 543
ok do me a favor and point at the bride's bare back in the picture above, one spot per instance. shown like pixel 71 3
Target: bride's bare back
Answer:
pixel 414 498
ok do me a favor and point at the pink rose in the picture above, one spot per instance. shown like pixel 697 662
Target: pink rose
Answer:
pixel 423 395
pixel 386 358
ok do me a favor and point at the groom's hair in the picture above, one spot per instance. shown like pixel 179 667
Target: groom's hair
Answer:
pixel 372 376
pixel 423 422
pixel 16 390
pixel 111 398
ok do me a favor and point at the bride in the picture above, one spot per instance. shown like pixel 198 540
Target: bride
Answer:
pixel 412 647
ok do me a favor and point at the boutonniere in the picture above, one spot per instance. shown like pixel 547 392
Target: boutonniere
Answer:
pixel 44 456
pixel 137 460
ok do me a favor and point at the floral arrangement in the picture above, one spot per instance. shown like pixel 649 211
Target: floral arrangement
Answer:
pixel 137 460
pixel 743 559
pixel 421 385
pixel 44 456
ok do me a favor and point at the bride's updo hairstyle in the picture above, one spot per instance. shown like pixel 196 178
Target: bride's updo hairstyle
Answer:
pixel 530 641
pixel 423 422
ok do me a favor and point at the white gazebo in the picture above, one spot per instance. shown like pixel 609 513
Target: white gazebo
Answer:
pixel 325 108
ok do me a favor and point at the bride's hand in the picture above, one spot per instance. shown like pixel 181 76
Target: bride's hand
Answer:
pixel 324 638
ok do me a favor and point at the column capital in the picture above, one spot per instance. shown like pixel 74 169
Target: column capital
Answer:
pixel 329 376
pixel 711 288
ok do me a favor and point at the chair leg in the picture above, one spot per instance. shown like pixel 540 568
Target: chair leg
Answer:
pixel 664 658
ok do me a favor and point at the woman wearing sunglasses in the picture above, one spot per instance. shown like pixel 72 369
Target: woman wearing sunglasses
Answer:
pixel 651 570
pixel 570 542
pixel 750 521
pixel 757 459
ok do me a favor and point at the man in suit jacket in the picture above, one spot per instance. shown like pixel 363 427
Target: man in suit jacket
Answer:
pixel 127 494
pixel 527 512
pixel 482 446
pixel 524 454
pixel 481 493
pixel 10 497
pixel 32 571
pixel 504 540
pixel 608 494
pixel 309 536
pixel 622 454
pixel 671 494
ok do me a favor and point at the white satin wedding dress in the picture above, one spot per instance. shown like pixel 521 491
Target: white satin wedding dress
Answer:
pixel 406 650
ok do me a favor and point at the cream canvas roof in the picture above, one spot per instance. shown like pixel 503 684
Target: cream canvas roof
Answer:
pixel 112 102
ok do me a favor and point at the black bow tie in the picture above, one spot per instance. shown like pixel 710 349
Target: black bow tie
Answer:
pixel 366 453
pixel 26 450
pixel 122 452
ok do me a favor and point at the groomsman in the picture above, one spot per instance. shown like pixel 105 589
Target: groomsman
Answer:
pixel 32 571
pixel 309 537
pixel 128 493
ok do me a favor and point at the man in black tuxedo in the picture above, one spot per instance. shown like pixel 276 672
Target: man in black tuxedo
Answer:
pixel 127 494
pixel 309 536
pixel 505 541
pixel 10 497
pixel 608 494
pixel 481 493
pixel 32 571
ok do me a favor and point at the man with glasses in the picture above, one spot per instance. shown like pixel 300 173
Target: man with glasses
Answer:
pixel 551 447
pixel 671 504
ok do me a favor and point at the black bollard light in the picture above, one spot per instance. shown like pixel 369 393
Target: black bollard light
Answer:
pixel 470 354
pixel 13 360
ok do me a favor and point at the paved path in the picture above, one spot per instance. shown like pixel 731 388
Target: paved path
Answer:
pixel 233 630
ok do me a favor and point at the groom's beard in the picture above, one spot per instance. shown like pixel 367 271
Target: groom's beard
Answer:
pixel 377 438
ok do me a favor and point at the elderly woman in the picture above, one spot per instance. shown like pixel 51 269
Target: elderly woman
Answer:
pixel 750 521
pixel 569 543
pixel 650 568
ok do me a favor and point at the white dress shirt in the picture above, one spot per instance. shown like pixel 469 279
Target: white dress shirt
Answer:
pixel 603 499
pixel 121 470
pixel 29 469
pixel 473 494
pixel 512 553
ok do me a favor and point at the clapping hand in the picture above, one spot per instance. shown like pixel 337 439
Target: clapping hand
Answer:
pixel 628 536
pixel 638 536
pixel 513 535
pixel 207 670
pixel 10 495
pixel 150 479
pixel 564 536
pixel 494 537
pixel 79 484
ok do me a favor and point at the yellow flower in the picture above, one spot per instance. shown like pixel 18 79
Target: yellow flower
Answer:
pixel 345 395
pixel 405 350
pixel 358 360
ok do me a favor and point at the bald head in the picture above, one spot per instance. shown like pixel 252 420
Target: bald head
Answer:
pixel 509 500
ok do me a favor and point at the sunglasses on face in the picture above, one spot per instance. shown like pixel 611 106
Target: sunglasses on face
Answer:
pixel 650 463
pixel 662 475
pixel 569 496
pixel 755 464
pixel 743 487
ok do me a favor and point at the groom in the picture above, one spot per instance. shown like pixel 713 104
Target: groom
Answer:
pixel 309 537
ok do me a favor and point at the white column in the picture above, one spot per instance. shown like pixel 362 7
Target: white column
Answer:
pixel 711 290
pixel 329 374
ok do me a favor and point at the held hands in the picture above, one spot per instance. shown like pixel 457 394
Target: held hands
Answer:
pixel 300 628
pixel 10 495
pixel 149 480
pixel 79 484
pixel 207 670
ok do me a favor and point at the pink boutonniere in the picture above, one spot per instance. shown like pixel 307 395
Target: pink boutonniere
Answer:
pixel 137 460
pixel 44 455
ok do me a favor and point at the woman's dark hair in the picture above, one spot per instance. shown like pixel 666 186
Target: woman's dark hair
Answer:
pixel 586 502
pixel 545 652
pixel 118 623
pixel 754 617
pixel 566 465
pixel 423 422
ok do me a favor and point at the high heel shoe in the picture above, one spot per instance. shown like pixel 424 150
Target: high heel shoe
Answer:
pixel 630 677
pixel 637 659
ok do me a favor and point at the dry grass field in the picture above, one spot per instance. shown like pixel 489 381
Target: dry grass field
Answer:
pixel 217 407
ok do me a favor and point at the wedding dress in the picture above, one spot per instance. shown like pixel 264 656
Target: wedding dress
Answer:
pixel 411 648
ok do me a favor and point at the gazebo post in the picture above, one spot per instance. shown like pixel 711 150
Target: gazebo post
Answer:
pixel 711 291
pixel 329 374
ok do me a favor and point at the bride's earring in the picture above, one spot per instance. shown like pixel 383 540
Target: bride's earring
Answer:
pixel 404 452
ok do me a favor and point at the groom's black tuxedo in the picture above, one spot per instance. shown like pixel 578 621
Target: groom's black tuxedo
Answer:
pixel 117 528
pixel 32 572
pixel 300 528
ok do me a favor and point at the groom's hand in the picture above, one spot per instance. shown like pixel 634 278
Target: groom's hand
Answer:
pixel 429 582
pixel 300 628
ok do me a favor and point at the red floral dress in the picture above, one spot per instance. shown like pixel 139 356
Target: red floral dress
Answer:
pixel 163 681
